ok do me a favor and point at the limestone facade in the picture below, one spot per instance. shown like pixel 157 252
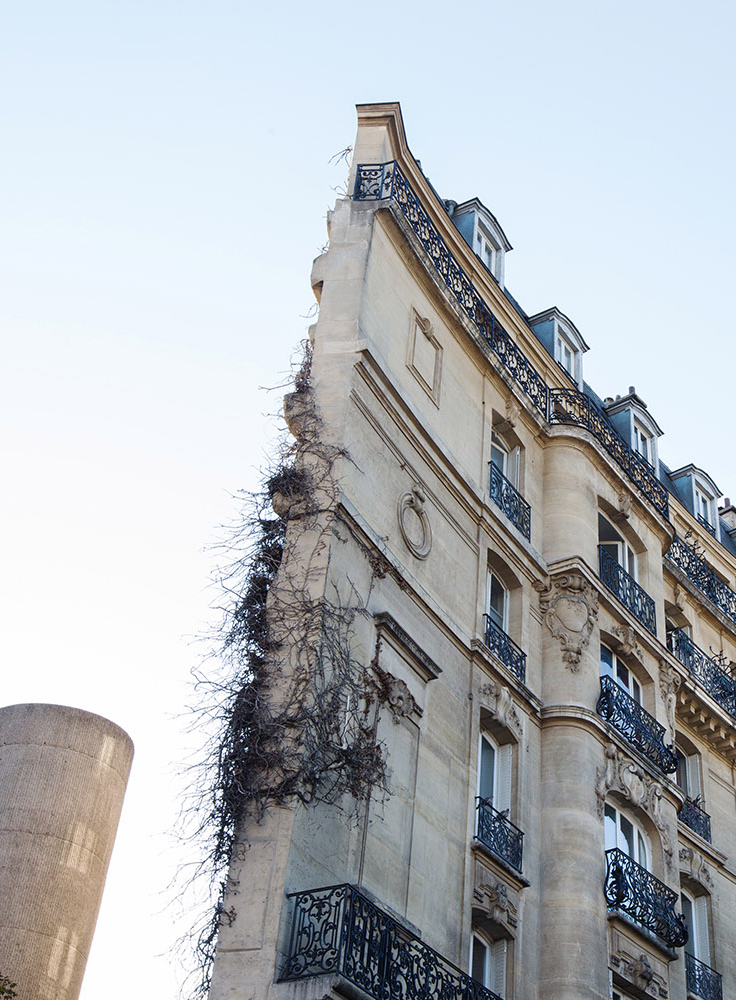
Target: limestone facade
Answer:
pixel 552 614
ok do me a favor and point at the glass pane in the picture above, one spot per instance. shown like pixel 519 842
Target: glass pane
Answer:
pixel 487 767
pixel 642 858
pixel 497 605
pixel 623 677
pixel 626 838
pixel 687 909
pixel 478 961
pixel 498 457
pixel 610 828
pixel 681 773
pixel 606 662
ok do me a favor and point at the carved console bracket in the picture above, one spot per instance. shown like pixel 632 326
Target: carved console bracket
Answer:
pixel 569 609
pixel 499 704
pixel 493 896
pixel 693 865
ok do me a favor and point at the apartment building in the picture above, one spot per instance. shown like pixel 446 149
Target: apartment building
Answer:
pixel 545 618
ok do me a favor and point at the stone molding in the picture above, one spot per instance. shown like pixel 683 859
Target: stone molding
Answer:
pixel 622 775
pixel 422 664
pixel 414 500
pixel 693 865
pixel 497 700
pixel 669 685
pixel 495 897
pixel 626 642
pixel 569 608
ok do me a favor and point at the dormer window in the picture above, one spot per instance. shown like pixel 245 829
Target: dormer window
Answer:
pixel 642 442
pixel 699 494
pixel 481 230
pixel 562 339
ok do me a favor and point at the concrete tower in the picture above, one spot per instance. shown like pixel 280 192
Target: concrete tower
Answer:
pixel 63 774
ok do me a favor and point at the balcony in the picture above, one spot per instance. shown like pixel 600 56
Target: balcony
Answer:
pixel 636 725
pixel 701 980
pixel 634 891
pixel 696 818
pixel 697 570
pixel 339 931
pixel 706 524
pixel 633 597
pixel 568 406
pixel 499 835
pixel 704 669
pixel 505 649
pixel 511 502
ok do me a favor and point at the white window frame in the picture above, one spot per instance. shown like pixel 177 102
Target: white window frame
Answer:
pixel 704 504
pixel 695 911
pixel 620 550
pixel 687 776
pixel 506 458
pixel 492 961
pixel 500 778
pixel 503 624
pixel 620 674
pixel 643 442
pixel 486 249
pixel 564 347
pixel 642 851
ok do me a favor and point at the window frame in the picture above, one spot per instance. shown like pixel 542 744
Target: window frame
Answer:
pixel 492 614
pixel 494 962
pixel 618 668
pixel 640 840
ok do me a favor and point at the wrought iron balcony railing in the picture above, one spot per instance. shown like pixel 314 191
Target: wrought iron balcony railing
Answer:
pixel 386 181
pixel 701 980
pixel 710 528
pixel 636 725
pixel 505 649
pixel 499 835
pixel 568 406
pixel 632 596
pixel 704 669
pixel 505 495
pixel 696 818
pixel 340 931
pixel 697 570
pixel 634 891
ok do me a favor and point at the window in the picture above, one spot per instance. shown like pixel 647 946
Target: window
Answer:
pixel 704 508
pixel 626 834
pixel 613 667
pixel 687 775
pixel 614 545
pixel 695 911
pixel 566 355
pixel 643 443
pixel 505 458
pixel 497 602
pixel 488 963
pixel 494 773
pixel 485 249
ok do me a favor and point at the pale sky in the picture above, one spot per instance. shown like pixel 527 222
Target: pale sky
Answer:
pixel 164 182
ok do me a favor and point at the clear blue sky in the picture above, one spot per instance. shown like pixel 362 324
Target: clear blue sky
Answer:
pixel 164 182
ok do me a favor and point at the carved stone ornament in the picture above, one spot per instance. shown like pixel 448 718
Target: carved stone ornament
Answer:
pixel 624 507
pixel 414 522
pixel 692 863
pixel 570 609
pixel 640 973
pixel 622 775
pixel 679 595
pixel 669 685
pixel 494 897
pixel 500 705
pixel 513 412
pixel 627 642
pixel 400 701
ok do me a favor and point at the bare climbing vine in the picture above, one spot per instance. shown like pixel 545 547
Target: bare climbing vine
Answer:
pixel 292 708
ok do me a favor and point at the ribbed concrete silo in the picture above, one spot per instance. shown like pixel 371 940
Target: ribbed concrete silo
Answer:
pixel 63 774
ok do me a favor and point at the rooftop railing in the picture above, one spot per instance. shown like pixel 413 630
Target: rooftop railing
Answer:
pixel 505 649
pixel 505 495
pixel 634 891
pixel 633 597
pixel 568 406
pixel 710 528
pixel 704 669
pixel 701 980
pixel 696 818
pixel 697 570
pixel 636 725
pixel 338 930
pixel 499 835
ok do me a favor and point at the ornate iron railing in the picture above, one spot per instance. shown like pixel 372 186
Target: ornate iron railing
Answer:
pixel 634 891
pixel 704 669
pixel 568 406
pixel 636 725
pixel 696 818
pixel 710 528
pixel 701 980
pixel 498 834
pixel 697 570
pixel 505 495
pixel 338 930
pixel 628 591
pixel 505 649
pixel 386 181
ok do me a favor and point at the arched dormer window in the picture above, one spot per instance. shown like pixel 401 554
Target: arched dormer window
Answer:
pixel 699 494
pixel 562 339
pixel 633 421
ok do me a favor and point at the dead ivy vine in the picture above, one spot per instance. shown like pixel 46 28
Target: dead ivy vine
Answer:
pixel 292 710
